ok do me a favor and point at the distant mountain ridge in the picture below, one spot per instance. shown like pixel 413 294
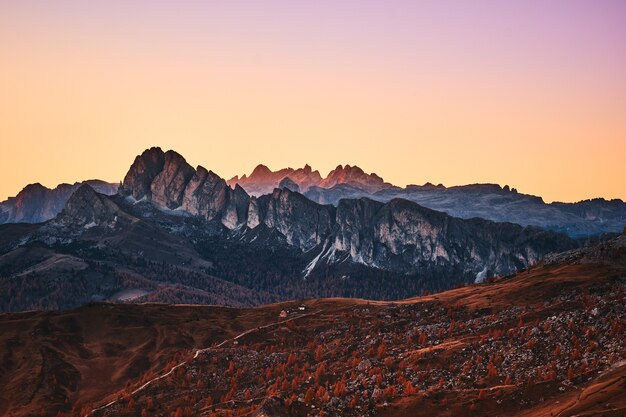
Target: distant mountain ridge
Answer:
pixel 36 203
pixel 488 201
pixel 262 180
pixel 500 204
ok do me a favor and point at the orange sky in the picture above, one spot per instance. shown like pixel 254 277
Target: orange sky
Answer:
pixel 436 92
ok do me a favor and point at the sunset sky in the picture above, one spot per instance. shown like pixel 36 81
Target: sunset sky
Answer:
pixel 528 93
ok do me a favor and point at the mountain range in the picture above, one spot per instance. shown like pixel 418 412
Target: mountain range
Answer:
pixel 175 233
pixel 487 201
pixel 36 203
pixel 262 180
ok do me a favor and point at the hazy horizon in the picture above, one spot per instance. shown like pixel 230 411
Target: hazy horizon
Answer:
pixel 529 94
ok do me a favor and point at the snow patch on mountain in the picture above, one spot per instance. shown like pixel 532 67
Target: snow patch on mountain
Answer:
pixel 480 277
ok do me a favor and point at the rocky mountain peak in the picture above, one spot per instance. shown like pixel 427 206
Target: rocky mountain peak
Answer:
pixel 169 182
pixel 86 208
pixel 35 187
pixel 261 171
pixel 355 176
pixel 144 169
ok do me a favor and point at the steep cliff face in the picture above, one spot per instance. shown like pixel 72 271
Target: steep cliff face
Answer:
pixel 31 203
pixel 205 195
pixel 405 236
pixel 355 229
pixel 169 182
pixel 138 181
pixel 174 184
pixel 236 210
pixel 304 223
pixel 36 203
pixel 168 187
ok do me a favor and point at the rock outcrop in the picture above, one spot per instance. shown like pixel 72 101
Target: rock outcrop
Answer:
pixel 138 181
pixel 86 208
pixel 305 177
pixel 304 223
pixel 403 235
pixel 169 182
pixel 168 187
pixel 205 194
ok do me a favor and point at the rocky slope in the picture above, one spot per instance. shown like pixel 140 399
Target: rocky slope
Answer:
pixel 36 203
